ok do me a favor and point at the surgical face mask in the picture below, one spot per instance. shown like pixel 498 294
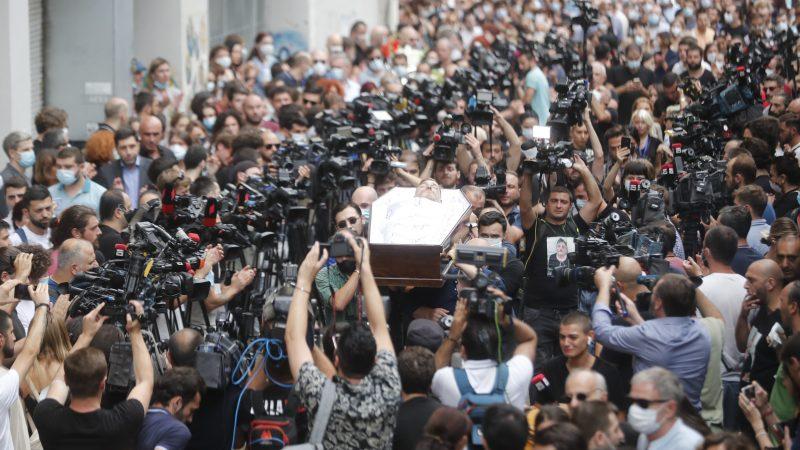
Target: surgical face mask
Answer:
pixel 210 86
pixel 494 242
pixel 706 4
pixel 335 49
pixel 320 68
pixel 782 26
pixel 634 64
pixel 266 49
pixel 653 20
pixel 159 85
pixel 711 57
pixel 455 55
pixel 375 65
pixel 602 26
pixel 728 17
pixel 400 71
pixel 179 151
pixel 365 214
pixel 337 73
pixel 676 30
pixel 775 187
pixel 66 177
pixel 27 159
pixel 208 122
pixel 688 12
pixel 645 421
pixel 298 137
pixel 527 133
pixel 224 61
pixel 639 40
pixel 580 203
pixel 634 16
pixel 647 7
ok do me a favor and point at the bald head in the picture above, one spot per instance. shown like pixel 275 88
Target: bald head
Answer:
pixel 378 35
pixel 116 109
pixel 628 270
pixel 767 268
pixel 587 382
pixel 183 347
pixel 794 106
pixel 75 256
pixel 364 197
pixel 150 133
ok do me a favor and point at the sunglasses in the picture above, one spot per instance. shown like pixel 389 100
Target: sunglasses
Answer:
pixel 273 146
pixel 343 223
pixel 642 403
pixel 310 102
pixel 581 397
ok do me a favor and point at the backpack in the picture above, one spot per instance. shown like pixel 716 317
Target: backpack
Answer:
pixel 268 432
pixel 475 404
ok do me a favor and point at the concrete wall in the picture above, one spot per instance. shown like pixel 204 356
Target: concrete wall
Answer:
pixel 15 83
pixel 88 49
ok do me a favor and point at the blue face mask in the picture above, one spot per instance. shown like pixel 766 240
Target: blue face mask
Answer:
pixel 27 159
pixel 159 85
pixel 208 122
pixel 66 177
pixel 337 73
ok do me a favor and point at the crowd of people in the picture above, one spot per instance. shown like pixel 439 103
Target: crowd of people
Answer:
pixel 701 355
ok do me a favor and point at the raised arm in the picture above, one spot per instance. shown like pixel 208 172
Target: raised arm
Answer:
pixel 142 364
pixel 297 321
pixel 372 297
pixel 589 211
pixel 742 330
pixel 598 165
pixel 514 142
pixel 528 211
pixel 33 341
pixel 92 323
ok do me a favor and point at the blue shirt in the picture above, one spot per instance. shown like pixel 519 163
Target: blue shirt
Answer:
pixel 540 103
pixel 130 181
pixel 743 258
pixel 89 196
pixel 757 229
pixel 678 344
pixel 679 436
pixel 769 214
pixel 160 428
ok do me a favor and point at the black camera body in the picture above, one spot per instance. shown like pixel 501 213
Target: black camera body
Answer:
pixel 492 188
pixel 573 98
pixel 541 157
pixel 340 247
pixel 590 254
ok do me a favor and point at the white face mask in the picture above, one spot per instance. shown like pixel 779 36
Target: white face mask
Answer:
pixel 645 421
pixel 266 49
pixel 320 68
pixel 224 61
pixel 179 151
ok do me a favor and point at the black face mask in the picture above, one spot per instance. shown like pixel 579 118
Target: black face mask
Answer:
pixel 347 266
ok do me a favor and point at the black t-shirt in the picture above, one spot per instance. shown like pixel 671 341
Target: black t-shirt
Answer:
pixel 412 416
pixel 62 428
pixel 108 241
pixel 784 204
pixel 556 373
pixel 542 291
pixel 618 76
pixel 212 423
pixel 762 368
pixel 707 79
pixel 661 105
pixel 512 276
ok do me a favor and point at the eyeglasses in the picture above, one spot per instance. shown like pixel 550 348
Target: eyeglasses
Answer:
pixel 309 102
pixel 343 223
pixel 319 61
pixel 272 146
pixel 642 403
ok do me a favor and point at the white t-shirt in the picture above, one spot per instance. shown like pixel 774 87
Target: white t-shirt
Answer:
pixel 9 396
pixel 726 291
pixel 481 376
pixel 25 311
pixel 33 238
